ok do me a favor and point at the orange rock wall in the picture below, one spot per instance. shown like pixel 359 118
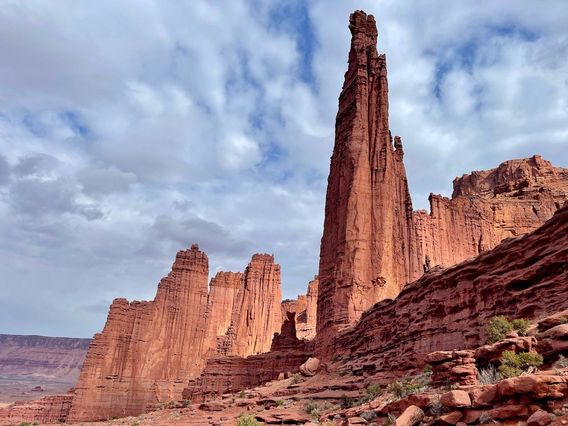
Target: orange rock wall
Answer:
pixel 487 207
pixel 305 308
pixel 367 244
pixel 524 277
pixel 149 350
pixel 49 409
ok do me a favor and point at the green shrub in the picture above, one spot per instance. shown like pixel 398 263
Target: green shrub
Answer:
pixel 247 420
pixel 280 403
pixel 513 364
pixel 499 327
pixel 346 402
pixel 312 409
pixel 521 326
pixel 373 390
pixel 391 420
pixel 242 394
pixel 296 378
pixel 406 386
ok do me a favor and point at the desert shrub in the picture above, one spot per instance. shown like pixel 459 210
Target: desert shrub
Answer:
pixel 485 418
pixel 499 327
pixel 346 402
pixel 312 409
pixel 373 390
pixel 185 403
pixel 561 363
pixel 391 419
pixel 296 378
pixel 242 394
pixel 171 404
pixel 513 364
pixel 408 386
pixel 25 424
pixel 280 403
pixel 521 326
pixel 563 320
pixel 436 407
pixel 488 375
pixel 247 420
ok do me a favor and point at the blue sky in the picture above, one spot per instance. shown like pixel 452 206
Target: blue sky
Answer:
pixel 131 129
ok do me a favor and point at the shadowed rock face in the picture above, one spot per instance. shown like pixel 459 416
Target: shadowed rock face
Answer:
pixel 305 308
pixel 148 351
pixel 373 244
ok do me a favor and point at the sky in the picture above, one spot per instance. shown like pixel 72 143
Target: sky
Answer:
pixel 131 129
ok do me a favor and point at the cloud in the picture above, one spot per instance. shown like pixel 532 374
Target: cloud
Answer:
pixel 130 130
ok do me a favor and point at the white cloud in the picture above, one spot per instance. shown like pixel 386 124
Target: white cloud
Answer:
pixel 130 130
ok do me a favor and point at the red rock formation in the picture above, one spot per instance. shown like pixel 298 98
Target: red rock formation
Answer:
pixel 149 350
pixel 305 308
pixel 49 409
pixel 259 313
pixel 233 373
pixel 373 244
pixel 449 309
pixel 367 243
pixel 487 207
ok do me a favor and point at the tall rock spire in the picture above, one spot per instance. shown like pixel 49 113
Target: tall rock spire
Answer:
pixel 368 239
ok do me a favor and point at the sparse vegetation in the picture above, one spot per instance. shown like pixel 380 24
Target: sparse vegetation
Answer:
pixel 561 364
pixel 185 403
pixel 346 402
pixel 314 409
pixel 436 407
pixel 499 327
pixel 280 403
pixel 409 385
pixel 296 378
pixel 563 320
pixel 373 390
pixel 247 420
pixel 488 375
pixel 25 424
pixel 242 394
pixel 391 419
pixel 485 418
pixel 513 364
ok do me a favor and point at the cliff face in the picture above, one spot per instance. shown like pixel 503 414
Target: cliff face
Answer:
pixel 148 351
pixel 305 308
pixel 487 207
pixel 523 277
pixel 367 245
pixel 373 244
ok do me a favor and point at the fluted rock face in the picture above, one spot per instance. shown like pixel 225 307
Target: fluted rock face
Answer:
pixel 367 243
pixel 373 244
pixel 260 314
pixel 523 277
pixel 226 294
pixel 148 351
pixel 487 207
pixel 305 308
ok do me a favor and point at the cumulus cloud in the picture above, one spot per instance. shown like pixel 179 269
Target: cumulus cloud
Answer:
pixel 130 130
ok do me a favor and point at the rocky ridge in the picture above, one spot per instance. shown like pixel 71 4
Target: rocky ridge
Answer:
pixel 148 351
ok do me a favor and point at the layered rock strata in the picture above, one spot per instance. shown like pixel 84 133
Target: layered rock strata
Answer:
pixel 486 207
pixel 305 308
pixel 148 351
pixel 523 277
pixel 373 244
pixel 47 410
pixel 367 243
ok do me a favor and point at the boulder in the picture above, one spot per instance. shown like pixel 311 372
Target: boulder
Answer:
pixel 539 418
pixel 456 399
pixel 411 416
pixel 310 367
